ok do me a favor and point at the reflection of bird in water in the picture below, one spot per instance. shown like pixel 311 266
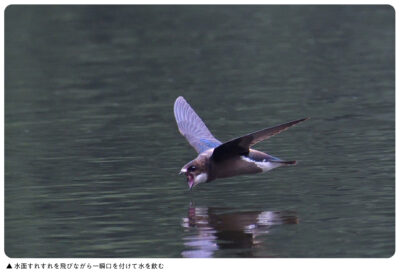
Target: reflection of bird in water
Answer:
pixel 225 229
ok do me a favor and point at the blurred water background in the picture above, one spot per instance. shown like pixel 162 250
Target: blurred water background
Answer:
pixel 92 151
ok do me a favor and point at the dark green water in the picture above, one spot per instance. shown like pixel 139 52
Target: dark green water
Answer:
pixel 92 151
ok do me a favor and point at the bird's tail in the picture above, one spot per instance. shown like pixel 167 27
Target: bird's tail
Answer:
pixel 284 163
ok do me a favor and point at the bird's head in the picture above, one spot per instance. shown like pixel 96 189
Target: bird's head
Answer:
pixel 196 171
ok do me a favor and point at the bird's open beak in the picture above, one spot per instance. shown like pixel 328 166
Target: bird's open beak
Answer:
pixel 190 177
pixel 190 180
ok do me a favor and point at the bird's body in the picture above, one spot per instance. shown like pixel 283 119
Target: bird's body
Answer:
pixel 222 160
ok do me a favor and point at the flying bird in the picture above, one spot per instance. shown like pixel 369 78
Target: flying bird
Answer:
pixel 222 160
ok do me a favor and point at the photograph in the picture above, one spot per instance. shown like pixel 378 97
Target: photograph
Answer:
pixel 199 131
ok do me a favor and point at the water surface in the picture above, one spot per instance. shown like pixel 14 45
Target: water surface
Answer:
pixel 92 151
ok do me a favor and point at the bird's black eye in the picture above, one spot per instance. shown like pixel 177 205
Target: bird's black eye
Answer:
pixel 192 168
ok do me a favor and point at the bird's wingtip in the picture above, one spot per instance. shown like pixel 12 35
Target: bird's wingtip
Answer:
pixel 303 119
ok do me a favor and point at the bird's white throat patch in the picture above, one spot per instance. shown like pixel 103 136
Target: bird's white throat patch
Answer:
pixel 265 166
pixel 201 178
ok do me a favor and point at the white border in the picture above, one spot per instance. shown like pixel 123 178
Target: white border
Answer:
pixel 192 266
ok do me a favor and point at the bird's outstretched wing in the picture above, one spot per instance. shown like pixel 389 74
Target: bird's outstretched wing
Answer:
pixel 192 127
pixel 241 145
